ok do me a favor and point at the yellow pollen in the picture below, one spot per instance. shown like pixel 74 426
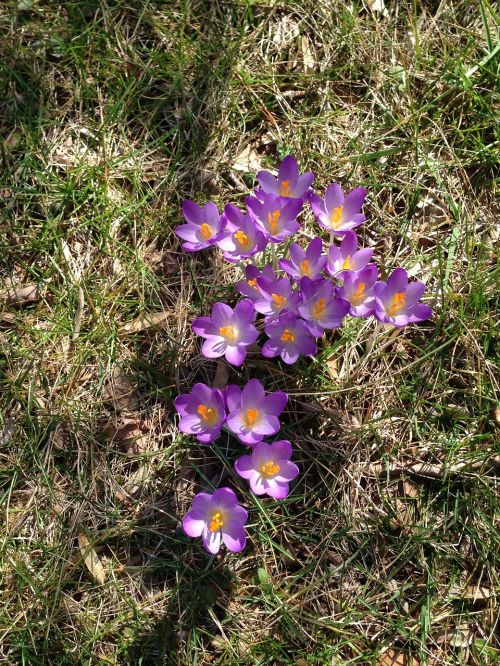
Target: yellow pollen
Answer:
pixel 398 304
pixel 347 265
pixel 304 267
pixel 284 188
pixel 242 238
pixel 208 414
pixel 269 469
pixel 336 217
pixel 251 416
pixel 272 220
pixel 287 336
pixel 359 294
pixel 228 332
pixel 217 522
pixel 279 301
pixel 319 308
pixel 205 231
pixel 252 283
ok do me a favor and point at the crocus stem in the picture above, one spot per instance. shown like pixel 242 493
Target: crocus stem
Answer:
pixel 274 257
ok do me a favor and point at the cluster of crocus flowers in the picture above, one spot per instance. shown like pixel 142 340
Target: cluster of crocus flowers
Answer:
pixel 249 414
pixel 300 297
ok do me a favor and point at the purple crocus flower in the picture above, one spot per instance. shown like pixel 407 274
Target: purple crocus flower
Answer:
pixel 288 337
pixel 241 238
pixel 204 226
pixel 253 415
pixel 339 213
pixel 358 291
pixel 396 301
pixel 309 262
pixel 217 517
pixel 228 332
pixel 320 308
pixel 347 257
pixel 275 297
pixel 268 468
pixel 288 183
pixel 202 412
pixel 249 287
pixel 275 216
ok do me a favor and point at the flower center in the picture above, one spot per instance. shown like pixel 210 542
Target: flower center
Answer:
pixel 269 469
pixel 242 239
pixel 359 295
pixel 287 336
pixel 319 308
pixel 272 220
pixel 398 303
pixel 251 416
pixel 229 332
pixel 336 217
pixel 284 188
pixel 347 264
pixel 279 301
pixel 252 283
pixel 205 231
pixel 304 267
pixel 216 522
pixel 208 414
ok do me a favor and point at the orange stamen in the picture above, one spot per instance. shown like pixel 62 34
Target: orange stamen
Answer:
pixel 206 231
pixel 336 217
pixel 284 188
pixel 208 414
pixel 359 294
pixel 242 238
pixel 319 308
pixel 252 283
pixel 279 301
pixel 398 304
pixel 272 220
pixel 287 336
pixel 251 416
pixel 304 267
pixel 228 332
pixel 348 264
pixel 269 469
pixel 217 522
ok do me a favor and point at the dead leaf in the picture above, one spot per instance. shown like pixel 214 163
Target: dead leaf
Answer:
pixel 497 414
pixel 144 322
pixel 91 559
pixel 20 295
pixel 307 55
pixel 221 375
pixel 377 6
pixel 132 432
pixel 248 160
pixel 472 592
pixel 460 637
pixel 7 432
pixel 120 391
pixel 396 658
pixel 134 482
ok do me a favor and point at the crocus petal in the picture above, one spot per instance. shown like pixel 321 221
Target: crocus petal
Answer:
pixel 222 314
pixel 334 198
pixel 257 483
pixel 244 310
pixel 214 347
pixel 289 356
pixel 203 326
pixel 361 259
pixel 253 394
pixel 233 397
pixel 236 355
pixel 397 281
pixel 275 403
pixel 201 504
pixel 211 541
pixel 234 537
pixel 281 449
pixel 420 312
pixel 192 212
pixel 268 182
pixel 193 527
pixel 277 489
pixel 244 466
pixel 304 182
pixel 414 293
pixel 288 170
pixel 288 471
pixel 188 232
pixel 353 203
pixel 270 349
pixel 225 497
pixel 267 425
pixel 190 424
pixel 181 402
